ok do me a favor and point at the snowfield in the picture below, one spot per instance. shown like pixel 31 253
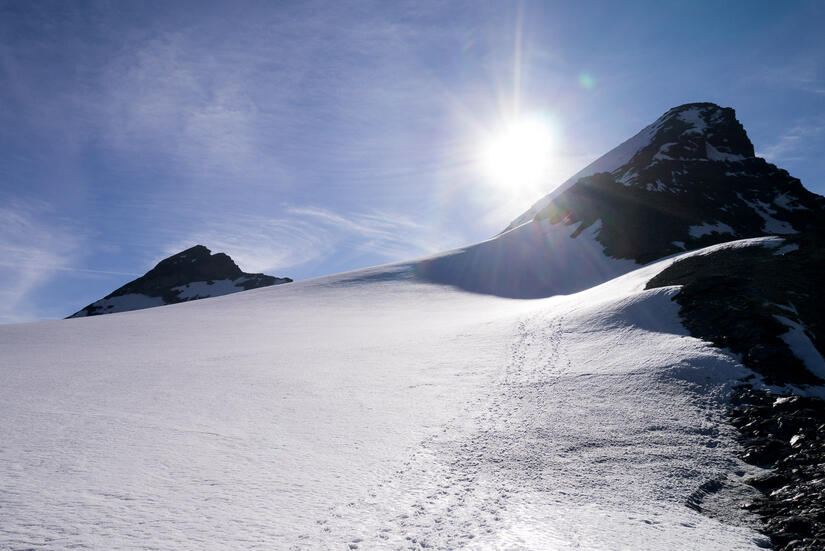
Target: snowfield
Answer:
pixel 370 410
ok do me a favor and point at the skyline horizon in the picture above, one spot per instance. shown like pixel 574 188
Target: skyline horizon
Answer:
pixel 214 251
pixel 312 139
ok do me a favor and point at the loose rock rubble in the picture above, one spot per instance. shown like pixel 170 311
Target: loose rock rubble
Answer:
pixel 785 434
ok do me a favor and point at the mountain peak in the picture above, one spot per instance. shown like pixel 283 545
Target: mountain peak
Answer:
pixel 191 274
pixel 686 181
pixel 194 264
pixel 699 131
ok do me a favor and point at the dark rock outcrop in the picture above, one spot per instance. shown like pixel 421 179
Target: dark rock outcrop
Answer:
pixel 785 434
pixel 745 299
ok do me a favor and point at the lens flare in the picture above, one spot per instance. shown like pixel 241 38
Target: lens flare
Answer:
pixel 519 155
pixel 587 81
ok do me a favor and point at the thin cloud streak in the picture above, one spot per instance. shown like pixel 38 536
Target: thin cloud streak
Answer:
pixel 308 234
pixel 792 143
pixel 242 108
pixel 31 253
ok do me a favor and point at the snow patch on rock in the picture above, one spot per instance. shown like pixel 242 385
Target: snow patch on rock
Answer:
pixel 694 118
pixel 802 347
pixel 124 303
pixel 706 229
pixel 715 155
pixel 786 202
pixel 770 224
pixel 205 289
pixel 785 249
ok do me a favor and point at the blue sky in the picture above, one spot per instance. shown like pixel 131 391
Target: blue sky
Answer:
pixel 308 138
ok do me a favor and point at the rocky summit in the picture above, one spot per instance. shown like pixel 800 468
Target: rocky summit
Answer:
pixel 189 275
pixel 687 181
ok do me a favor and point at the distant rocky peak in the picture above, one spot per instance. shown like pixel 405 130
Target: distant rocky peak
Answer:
pixel 188 275
pixel 191 254
pixel 195 264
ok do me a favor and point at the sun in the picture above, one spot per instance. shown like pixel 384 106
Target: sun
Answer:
pixel 519 155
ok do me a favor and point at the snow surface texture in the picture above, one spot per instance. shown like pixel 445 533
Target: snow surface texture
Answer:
pixel 369 410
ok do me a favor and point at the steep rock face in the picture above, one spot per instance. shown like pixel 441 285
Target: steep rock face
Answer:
pixel 691 180
pixel 189 275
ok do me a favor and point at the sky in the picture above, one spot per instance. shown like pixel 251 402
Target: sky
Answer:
pixel 310 138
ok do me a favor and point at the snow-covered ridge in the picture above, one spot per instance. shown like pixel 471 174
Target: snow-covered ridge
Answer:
pixel 536 259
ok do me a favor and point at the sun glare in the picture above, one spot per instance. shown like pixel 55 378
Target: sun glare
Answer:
pixel 519 155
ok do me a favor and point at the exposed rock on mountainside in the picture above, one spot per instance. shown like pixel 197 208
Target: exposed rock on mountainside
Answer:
pixel 785 434
pixel 768 307
pixel 694 184
pixel 189 275
pixel 687 181
pixel 691 180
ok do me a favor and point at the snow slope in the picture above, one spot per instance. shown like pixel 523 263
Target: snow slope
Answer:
pixel 371 410
pixel 537 259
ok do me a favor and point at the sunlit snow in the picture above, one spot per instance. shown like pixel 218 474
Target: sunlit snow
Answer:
pixel 368 410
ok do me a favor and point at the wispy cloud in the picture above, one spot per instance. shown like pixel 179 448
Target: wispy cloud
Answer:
pixel 32 253
pixel 307 234
pixel 239 109
pixel 793 143
pixel 167 99
pixel 805 73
